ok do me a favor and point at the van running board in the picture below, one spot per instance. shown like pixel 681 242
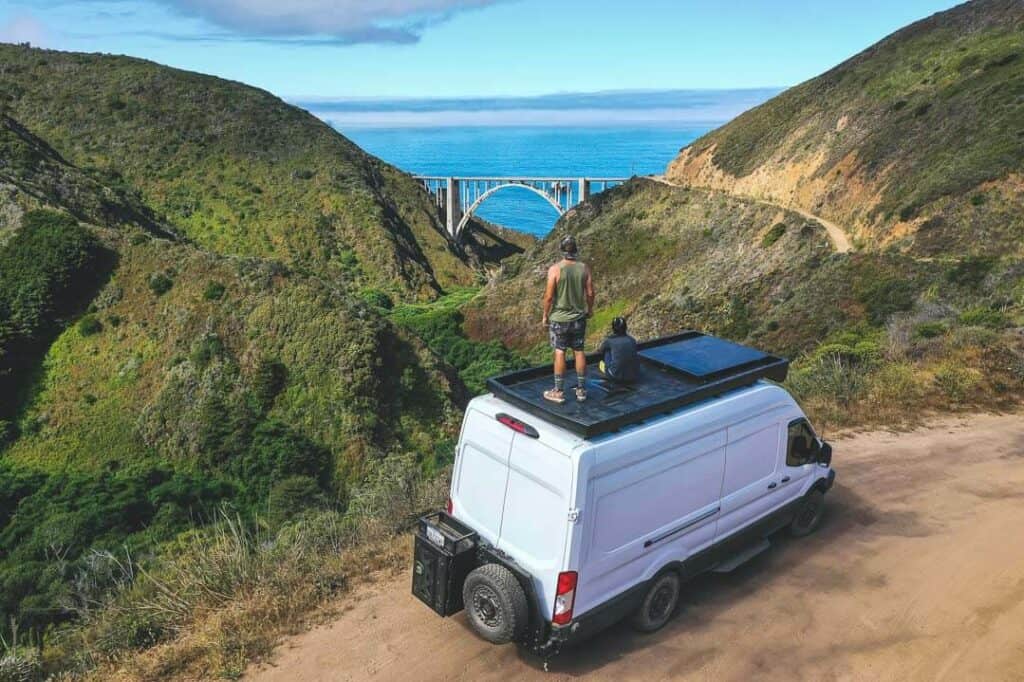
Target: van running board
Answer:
pixel 737 560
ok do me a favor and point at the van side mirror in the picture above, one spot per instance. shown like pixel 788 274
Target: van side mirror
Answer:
pixel 824 452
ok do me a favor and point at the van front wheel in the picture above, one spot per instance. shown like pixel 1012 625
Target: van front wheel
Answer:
pixel 659 603
pixel 808 516
pixel 495 604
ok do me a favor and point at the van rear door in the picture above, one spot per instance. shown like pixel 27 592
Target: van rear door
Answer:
pixel 536 520
pixel 481 474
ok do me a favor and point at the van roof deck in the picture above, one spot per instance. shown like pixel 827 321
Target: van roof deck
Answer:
pixel 675 371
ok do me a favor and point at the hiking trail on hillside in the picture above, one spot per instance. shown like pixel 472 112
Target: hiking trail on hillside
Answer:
pixel 836 234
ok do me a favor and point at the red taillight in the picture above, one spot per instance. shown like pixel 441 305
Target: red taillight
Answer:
pixel 516 425
pixel 565 597
pixel 449 507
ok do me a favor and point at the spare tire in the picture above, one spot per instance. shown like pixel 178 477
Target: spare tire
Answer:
pixel 495 604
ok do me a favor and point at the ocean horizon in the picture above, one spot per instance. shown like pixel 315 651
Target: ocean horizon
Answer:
pixel 553 151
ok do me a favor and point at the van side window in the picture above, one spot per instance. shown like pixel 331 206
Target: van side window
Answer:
pixel 801 448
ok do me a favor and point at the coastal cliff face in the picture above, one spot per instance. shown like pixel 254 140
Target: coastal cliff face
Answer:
pixel 916 143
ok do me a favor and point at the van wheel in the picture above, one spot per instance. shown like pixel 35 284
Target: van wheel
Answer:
pixel 659 603
pixel 808 516
pixel 495 603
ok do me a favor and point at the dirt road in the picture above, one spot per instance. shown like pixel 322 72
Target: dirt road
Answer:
pixel 916 573
pixel 838 236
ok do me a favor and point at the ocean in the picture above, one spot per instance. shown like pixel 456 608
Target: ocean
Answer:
pixel 528 150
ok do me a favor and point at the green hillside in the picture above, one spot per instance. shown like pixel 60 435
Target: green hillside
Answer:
pixel 917 142
pixel 235 169
pixel 916 148
pixel 211 306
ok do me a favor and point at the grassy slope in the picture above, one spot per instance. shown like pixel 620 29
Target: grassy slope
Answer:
pixel 229 369
pixel 918 141
pixel 234 168
pixel 33 175
pixel 142 385
pixel 878 336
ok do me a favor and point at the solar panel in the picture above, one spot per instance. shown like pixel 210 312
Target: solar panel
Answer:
pixel 703 357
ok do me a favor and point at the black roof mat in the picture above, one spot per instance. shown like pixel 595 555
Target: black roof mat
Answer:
pixel 675 371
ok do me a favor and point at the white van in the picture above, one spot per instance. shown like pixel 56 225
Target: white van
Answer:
pixel 563 519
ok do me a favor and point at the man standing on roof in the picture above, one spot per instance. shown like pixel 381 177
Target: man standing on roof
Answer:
pixel 568 302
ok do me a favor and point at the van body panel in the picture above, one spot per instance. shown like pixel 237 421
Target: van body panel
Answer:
pixel 655 511
pixel 536 513
pixel 621 507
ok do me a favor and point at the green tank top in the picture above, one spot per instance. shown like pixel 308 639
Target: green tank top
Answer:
pixel 570 295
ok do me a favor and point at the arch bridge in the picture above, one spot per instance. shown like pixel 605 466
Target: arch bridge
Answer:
pixel 459 197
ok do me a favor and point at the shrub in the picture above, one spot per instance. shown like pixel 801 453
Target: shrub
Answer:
pixel 956 381
pixel 292 496
pixel 89 325
pixel 160 283
pixel 278 452
pixel 269 380
pixel 206 349
pixel 20 665
pixel 883 297
pixel 983 317
pixel 970 272
pixel 377 299
pixel 829 376
pixel 114 320
pixel 214 291
pixel 929 330
pixel 896 385
pixel 773 235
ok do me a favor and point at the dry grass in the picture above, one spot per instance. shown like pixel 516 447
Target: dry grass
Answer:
pixel 221 597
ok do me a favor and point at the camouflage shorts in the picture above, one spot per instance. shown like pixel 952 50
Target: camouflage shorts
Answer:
pixel 566 335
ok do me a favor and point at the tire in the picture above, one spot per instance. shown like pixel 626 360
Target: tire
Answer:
pixel 808 516
pixel 495 604
pixel 659 603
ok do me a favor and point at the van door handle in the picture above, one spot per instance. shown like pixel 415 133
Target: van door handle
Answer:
pixel 785 479
pixel 772 485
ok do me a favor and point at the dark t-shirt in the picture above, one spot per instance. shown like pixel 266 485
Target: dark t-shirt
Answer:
pixel 620 358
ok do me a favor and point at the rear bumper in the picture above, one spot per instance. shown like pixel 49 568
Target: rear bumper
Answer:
pixel 598 618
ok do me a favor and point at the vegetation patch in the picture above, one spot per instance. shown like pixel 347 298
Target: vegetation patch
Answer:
pixel 773 234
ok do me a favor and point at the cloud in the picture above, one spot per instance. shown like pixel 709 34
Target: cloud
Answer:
pixel 325 21
pixel 631 108
pixel 24 28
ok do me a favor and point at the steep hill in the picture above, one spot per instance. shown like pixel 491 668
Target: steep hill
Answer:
pixel 235 169
pixel 164 362
pixel 916 146
pixel 917 142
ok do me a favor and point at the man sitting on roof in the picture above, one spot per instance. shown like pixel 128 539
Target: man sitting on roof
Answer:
pixel 620 361
pixel 568 302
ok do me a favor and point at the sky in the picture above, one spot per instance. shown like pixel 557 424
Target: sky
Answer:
pixel 329 52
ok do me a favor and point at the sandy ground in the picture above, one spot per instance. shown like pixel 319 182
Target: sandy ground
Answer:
pixel 916 573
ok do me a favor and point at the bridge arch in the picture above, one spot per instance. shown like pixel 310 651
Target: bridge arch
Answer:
pixel 468 213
